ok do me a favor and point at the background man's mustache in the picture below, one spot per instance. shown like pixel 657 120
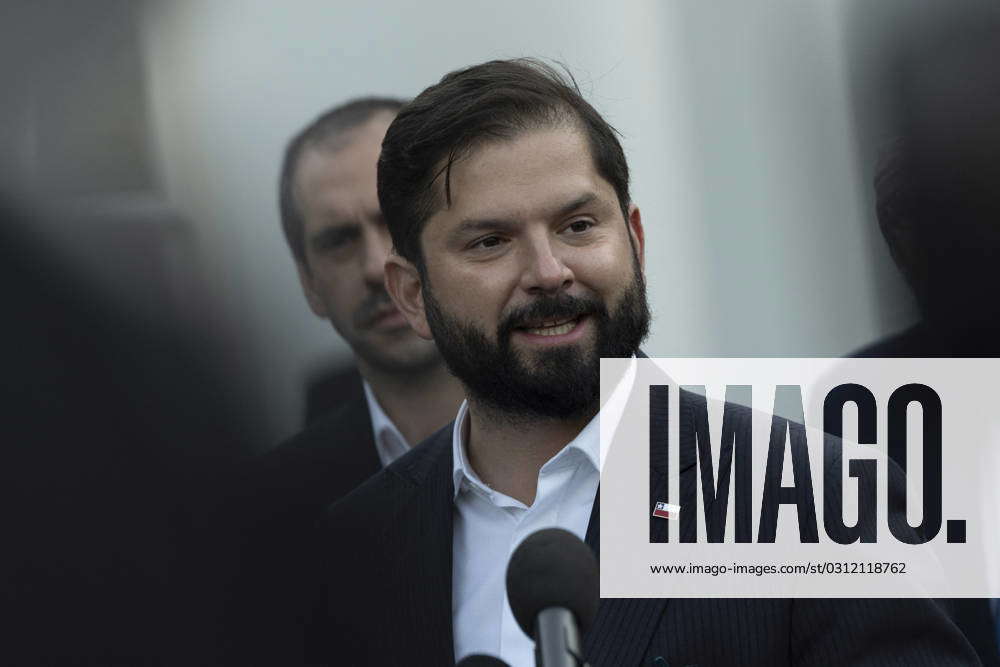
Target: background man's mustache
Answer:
pixel 376 302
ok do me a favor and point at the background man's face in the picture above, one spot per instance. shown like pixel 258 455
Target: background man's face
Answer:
pixel 532 276
pixel 346 243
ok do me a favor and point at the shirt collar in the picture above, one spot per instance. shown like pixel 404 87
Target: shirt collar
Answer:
pixel 389 442
pixel 611 414
pixel 460 468
pixel 591 441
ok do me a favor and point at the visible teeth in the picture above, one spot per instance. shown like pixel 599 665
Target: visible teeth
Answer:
pixel 553 329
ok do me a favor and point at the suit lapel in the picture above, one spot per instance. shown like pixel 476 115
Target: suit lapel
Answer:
pixel 424 561
pixel 361 460
pixel 331 458
pixel 624 627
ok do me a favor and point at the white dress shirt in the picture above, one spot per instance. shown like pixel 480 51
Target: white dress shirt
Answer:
pixel 489 525
pixel 389 442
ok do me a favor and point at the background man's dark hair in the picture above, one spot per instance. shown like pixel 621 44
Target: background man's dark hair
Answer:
pixel 898 214
pixel 328 131
pixel 936 190
pixel 493 101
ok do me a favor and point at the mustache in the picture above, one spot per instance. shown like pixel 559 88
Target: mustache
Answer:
pixel 562 307
pixel 371 308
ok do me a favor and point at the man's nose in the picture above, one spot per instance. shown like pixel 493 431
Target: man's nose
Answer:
pixel 545 270
pixel 376 250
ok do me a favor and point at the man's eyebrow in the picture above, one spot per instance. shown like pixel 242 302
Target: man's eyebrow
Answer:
pixel 578 203
pixel 334 231
pixel 472 225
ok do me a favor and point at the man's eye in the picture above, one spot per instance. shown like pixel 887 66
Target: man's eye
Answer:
pixel 488 242
pixel 336 240
pixel 334 243
pixel 580 226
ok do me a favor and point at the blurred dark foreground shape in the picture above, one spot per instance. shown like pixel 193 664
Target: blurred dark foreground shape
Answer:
pixel 116 430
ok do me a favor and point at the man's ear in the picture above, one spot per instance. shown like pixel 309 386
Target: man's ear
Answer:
pixel 312 296
pixel 403 283
pixel 638 236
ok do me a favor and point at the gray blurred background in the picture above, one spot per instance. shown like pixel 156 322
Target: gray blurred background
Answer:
pixel 752 130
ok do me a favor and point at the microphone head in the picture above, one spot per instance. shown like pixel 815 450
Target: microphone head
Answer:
pixel 553 568
pixel 481 660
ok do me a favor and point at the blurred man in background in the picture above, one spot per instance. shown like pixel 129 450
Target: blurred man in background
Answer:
pixel 401 392
pixel 938 198
pixel 331 219
pixel 938 205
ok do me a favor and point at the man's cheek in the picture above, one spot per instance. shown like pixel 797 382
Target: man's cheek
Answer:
pixel 345 316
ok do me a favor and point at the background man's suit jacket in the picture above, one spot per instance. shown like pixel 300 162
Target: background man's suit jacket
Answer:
pixel 384 595
pixel 294 482
pixel 329 389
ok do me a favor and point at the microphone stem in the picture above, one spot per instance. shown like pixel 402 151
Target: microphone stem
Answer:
pixel 557 641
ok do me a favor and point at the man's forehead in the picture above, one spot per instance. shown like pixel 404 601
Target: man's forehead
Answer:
pixel 346 159
pixel 538 172
pixel 352 165
pixel 328 184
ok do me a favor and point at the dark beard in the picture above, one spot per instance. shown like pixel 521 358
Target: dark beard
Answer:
pixel 561 383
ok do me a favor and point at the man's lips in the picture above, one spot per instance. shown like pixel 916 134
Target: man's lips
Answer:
pixel 552 327
pixel 554 331
pixel 387 318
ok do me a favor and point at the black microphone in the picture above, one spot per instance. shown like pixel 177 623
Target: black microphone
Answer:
pixel 553 589
pixel 481 660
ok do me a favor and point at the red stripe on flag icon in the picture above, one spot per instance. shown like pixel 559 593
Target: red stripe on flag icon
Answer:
pixel 666 510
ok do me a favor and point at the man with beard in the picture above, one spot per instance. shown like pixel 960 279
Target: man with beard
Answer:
pixel 519 251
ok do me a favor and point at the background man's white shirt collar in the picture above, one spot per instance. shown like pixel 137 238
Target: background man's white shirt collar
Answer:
pixel 389 442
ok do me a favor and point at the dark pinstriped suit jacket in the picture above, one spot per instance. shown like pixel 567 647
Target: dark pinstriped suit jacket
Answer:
pixel 385 595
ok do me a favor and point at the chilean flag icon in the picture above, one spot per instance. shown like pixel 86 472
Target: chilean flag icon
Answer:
pixel 666 510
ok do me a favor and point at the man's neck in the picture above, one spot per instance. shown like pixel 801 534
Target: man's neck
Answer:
pixel 417 403
pixel 508 452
